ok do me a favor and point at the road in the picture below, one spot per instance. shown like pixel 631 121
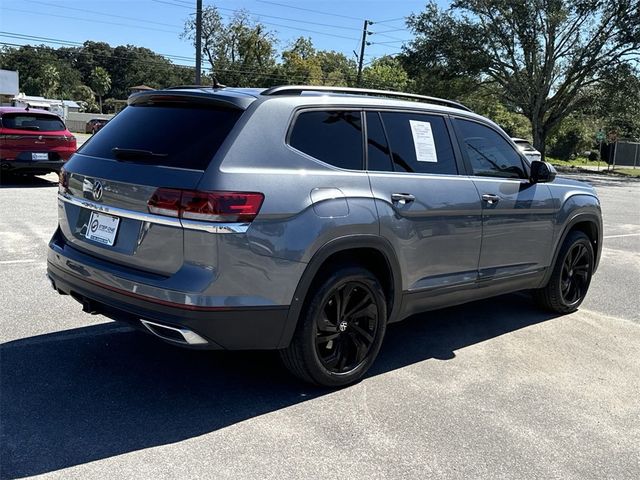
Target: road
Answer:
pixel 493 389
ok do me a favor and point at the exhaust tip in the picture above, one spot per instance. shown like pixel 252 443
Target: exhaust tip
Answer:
pixel 173 334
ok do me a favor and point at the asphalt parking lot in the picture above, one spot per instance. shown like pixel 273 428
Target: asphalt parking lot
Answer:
pixel 493 389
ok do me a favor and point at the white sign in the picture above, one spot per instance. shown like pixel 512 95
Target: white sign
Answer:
pixel 102 228
pixel 423 141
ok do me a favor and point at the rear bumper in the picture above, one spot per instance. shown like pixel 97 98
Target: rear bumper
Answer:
pixel 36 167
pixel 222 328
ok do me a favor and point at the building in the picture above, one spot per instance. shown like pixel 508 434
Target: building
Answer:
pixel 9 86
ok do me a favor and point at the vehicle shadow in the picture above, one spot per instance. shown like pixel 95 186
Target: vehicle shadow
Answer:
pixel 26 181
pixel 81 395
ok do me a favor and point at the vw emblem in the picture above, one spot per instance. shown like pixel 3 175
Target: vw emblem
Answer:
pixel 97 191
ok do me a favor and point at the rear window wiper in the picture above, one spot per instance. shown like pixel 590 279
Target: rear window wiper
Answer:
pixel 136 154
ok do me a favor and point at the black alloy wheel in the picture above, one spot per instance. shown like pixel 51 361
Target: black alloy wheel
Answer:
pixel 571 275
pixel 346 327
pixel 576 270
pixel 340 329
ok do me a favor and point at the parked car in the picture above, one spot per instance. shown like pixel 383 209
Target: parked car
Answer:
pixel 309 219
pixel 527 149
pixel 95 124
pixel 33 141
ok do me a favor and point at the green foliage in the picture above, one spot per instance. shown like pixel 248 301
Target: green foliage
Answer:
pixel 303 64
pixel 127 66
pixel 617 97
pixel 486 100
pixel 543 54
pixel 575 135
pixel 100 81
pixel 240 52
pixel 386 73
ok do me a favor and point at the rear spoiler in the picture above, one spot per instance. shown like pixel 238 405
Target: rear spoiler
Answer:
pixel 212 98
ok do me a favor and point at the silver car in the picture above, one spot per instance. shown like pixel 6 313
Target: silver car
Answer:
pixel 307 219
pixel 527 149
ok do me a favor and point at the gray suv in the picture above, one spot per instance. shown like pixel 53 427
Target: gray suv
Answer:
pixel 306 219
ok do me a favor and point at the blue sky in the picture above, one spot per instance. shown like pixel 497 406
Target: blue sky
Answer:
pixel 156 24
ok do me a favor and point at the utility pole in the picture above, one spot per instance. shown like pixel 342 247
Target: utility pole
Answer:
pixel 362 45
pixel 198 41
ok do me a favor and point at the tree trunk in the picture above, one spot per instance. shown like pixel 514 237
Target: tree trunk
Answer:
pixel 539 136
pixel 100 100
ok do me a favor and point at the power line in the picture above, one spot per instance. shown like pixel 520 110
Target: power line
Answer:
pixel 87 20
pixel 259 14
pixel 69 43
pixel 101 13
pixel 290 27
pixel 290 19
pixel 310 10
pixel 390 20
pixel 395 30
pixel 388 36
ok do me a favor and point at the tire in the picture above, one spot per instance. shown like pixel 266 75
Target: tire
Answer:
pixel 571 276
pixel 333 349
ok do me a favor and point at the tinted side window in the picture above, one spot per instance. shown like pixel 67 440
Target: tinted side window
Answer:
pixel 419 143
pixel 335 137
pixel 379 155
pixel 490 155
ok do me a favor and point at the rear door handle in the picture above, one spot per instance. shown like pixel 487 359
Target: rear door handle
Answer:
pixel 490 198
pixel 402 198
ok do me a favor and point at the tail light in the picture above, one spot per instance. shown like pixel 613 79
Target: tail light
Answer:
pixel 223 207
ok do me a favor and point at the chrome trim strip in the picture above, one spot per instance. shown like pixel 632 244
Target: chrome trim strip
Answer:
pixel 215 227
pixel 157 219
pixel 190 338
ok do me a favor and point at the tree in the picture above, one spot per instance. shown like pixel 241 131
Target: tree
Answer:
pixel 485 100
pixel 300 63
pixel 50 81
pixel 86 96
pixel 240 52
pixel 617 97
pixel 386 73
pixel 100 82
pixel 543 53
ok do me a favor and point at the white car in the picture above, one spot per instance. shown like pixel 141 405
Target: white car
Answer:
pixel 527 149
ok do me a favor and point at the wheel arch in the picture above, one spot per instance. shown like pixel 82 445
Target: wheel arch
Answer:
pixel 352 248
pixel 591 225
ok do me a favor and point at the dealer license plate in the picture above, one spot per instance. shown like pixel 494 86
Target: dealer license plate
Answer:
pixel 102 228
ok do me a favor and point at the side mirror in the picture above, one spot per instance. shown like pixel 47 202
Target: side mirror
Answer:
pixel 542 172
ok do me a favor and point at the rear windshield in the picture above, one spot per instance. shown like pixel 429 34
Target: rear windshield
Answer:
pixel 33 122
pixel 172 136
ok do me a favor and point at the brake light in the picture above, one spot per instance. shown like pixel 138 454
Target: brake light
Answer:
pixel 165 201
pixel 221 207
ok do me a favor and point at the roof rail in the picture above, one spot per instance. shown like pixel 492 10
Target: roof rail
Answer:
pixel 298 89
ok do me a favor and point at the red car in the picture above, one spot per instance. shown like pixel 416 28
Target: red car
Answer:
pixel 33 141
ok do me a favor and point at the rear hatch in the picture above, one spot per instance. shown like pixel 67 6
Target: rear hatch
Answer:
pixel 162 140
pixel 27 135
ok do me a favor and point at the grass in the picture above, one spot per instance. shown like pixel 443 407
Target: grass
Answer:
pixel 583 162
pixel 577 162
pixel 631 172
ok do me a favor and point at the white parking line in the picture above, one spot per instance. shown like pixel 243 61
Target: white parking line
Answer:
pixel 623 235
pixel 10 262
